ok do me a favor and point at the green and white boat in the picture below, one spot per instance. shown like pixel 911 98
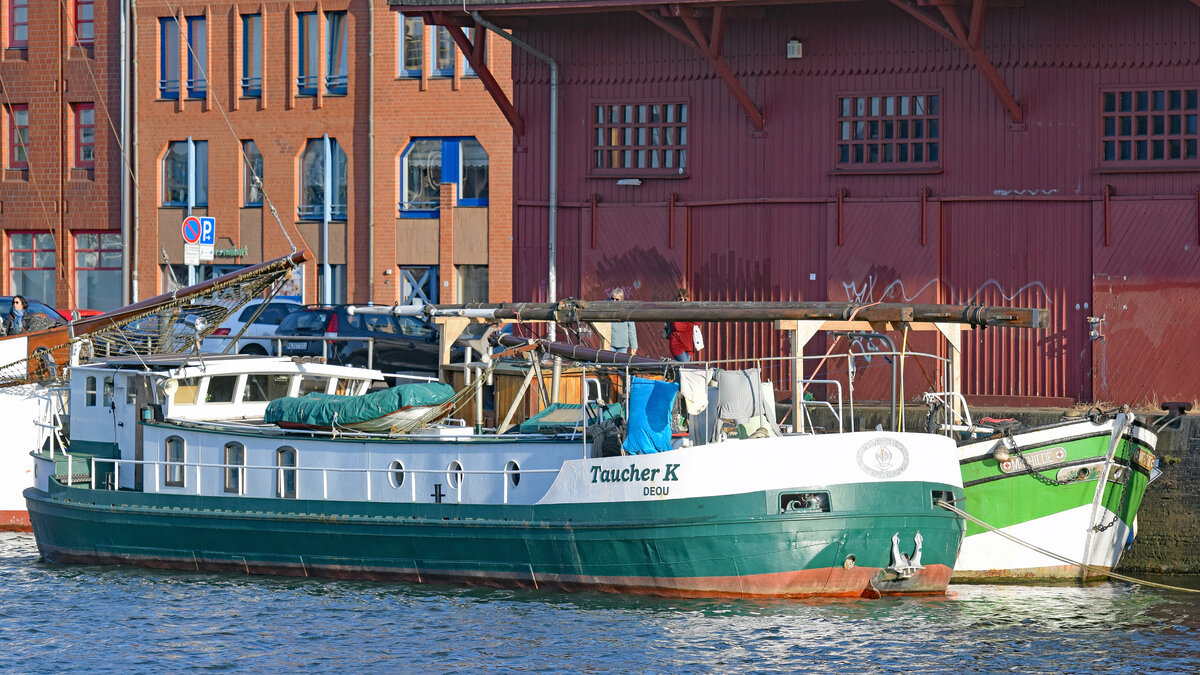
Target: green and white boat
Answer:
pixel 171 463
pixel 1069 490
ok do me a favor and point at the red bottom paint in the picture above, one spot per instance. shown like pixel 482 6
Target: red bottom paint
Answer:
pixel 865 582
pixel 14 521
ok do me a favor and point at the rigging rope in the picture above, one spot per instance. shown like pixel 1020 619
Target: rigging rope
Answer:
pixel 1050 554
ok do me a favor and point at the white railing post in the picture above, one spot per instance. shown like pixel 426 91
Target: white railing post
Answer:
pixel 368 485
pixel 93 476
pixel 198 478
pixel 505 479
pixel 324 484
pixel 157 482
pixel 412 484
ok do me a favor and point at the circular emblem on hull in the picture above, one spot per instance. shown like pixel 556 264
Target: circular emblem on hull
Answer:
pixel 883 457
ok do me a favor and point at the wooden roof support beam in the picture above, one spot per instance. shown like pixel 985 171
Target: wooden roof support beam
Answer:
pixel 475 56
pixel 968 40
pixel 710 48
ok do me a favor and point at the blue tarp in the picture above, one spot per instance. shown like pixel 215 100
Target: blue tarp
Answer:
pixel 649 426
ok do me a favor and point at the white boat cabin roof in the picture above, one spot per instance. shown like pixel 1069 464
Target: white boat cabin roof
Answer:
pixel 213 388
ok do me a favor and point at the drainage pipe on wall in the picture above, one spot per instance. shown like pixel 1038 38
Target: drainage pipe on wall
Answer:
pixel 553 271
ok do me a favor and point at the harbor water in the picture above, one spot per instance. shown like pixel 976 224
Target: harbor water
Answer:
pixel 59 618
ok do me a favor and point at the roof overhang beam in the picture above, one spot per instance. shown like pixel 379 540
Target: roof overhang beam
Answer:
pixel 966 34
pixel 454 22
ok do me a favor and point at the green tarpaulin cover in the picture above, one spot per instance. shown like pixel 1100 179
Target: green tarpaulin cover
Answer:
pixel 318 410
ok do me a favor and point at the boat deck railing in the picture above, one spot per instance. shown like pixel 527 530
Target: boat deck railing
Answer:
pixel 396 476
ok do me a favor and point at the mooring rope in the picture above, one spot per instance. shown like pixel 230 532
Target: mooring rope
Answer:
pixel 1091 568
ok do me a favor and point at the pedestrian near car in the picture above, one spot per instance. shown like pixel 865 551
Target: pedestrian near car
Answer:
pixel 15 321
pixel 624 333
pixel 683 337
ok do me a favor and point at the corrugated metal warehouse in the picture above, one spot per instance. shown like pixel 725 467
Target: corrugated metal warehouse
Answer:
pixel 1034 153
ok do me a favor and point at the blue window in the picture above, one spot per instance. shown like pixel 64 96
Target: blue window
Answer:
pixel 443 53
pixel 312 173
pixel 336 52
pixel 168 56
pixel 252 161
pixel 468 71
pixel 412 46
pixel 197 83
pixel 252 54
pixel 182 156
pixel 310 54
pixel 428 162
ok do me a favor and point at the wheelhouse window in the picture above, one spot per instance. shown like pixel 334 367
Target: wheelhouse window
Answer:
pixel 640 139
pixel 896 132
pixel 85 22
pixel 18 24
pixel 336 52
pixel 252 55
pixel 98 270
pixel 412 46
pixel 262 388
pixel 197 83
pixel 180 158
pixel 309 53
pixel 18 136
pixel 234 461
pixel 221 389
pixel 313 172
pixel 89 390
pixel 32 259
pixel 285 473
pixel 443 53
pixel 313 384
pixel 108 390
pixel 174 455
pixel 85 135
pixel 168 58
pixel 252 165
pixel 1150 126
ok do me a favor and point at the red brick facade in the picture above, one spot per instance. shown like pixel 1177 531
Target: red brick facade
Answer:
pixel 52 76
pixel 372 243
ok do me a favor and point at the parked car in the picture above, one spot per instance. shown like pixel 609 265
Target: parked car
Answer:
pixel 73 314
pixel 402 343
pixel 251 341
pixel 35 307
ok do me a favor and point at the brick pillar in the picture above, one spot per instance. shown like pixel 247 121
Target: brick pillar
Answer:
pixel 447 276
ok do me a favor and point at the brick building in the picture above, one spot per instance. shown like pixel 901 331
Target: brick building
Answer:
pixel 60 197
pixel 374 140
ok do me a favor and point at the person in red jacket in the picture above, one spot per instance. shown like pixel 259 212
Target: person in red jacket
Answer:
pixel 680 335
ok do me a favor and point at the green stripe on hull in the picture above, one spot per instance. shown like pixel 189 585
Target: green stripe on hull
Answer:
pixel 1002 500
pixel 652 544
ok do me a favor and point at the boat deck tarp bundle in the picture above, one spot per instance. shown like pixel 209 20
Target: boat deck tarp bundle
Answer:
pixel 566 417
pixel 650 404
pixel 323 410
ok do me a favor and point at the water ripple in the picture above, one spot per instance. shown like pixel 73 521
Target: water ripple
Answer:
pixel 55 618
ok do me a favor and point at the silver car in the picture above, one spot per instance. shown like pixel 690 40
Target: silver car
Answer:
pixel 251 341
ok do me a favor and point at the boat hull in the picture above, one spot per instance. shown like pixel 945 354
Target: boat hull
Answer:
pixel 728 545
pixel 1065 519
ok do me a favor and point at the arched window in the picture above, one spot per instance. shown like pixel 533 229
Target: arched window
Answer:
pixel 514 472
pixel 108 390
pixel 89 390
pixel 285 473
pixel 235 459
pixel 312 175
pixel 174 455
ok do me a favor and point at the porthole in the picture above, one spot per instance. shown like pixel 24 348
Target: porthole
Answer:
pixel 454 474
pixel 396 473
pixel 514 472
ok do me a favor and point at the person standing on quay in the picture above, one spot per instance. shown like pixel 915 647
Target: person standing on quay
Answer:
pixel 624 334
pixel 682 335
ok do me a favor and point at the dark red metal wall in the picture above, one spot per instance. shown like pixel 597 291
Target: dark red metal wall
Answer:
pixel 1016 213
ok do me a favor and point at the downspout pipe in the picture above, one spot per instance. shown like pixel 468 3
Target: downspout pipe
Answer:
pixel 131 150
pixel 371 154
pixel 553 270
pixel 126 214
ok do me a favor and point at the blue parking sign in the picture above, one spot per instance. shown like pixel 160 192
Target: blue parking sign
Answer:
pixel 208 231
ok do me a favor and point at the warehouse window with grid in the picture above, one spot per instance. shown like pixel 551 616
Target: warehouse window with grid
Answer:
pixel 1150 125
pixel 640 139
pixel 898 131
